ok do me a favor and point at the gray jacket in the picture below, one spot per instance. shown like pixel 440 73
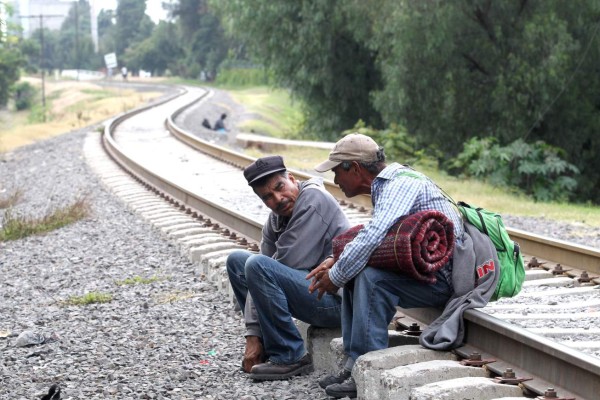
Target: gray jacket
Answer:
pixel 303 240
pixel 474 254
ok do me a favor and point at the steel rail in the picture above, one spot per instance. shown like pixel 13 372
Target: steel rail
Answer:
pixel 556 251
pixel 247 228
pixel 554 365
pixel 550 364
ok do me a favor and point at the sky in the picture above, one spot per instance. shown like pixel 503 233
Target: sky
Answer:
pixel 153 8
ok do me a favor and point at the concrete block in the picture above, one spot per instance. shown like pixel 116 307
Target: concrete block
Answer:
pixel 168 230
pixel 170 221
pixel 534 274
pixel 551 282
pixel 318 344
pixel 336 352
pixel 198 253
pixel 192 230
pixel 202 238
pixel 464 389
pixel 397 383
pixel 369 367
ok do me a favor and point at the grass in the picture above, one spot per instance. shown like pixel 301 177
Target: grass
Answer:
pixel 88 298
pixel 137 280
pixel 12 199
pixel 17 227
pixel 278 115
pixel 70 105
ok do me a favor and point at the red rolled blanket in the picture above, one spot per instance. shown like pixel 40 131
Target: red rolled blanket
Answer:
pixel 417 245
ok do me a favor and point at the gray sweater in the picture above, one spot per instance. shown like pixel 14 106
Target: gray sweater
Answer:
pixel 476 252
pixel 303 240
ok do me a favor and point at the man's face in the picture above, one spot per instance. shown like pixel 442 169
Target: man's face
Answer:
pixel 279 194
pixel 346 180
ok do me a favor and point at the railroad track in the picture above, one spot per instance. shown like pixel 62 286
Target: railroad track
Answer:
pixel 496 332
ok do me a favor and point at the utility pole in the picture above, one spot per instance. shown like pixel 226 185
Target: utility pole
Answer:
pixel 41 18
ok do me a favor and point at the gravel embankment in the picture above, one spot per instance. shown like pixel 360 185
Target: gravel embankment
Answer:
pixel 175 338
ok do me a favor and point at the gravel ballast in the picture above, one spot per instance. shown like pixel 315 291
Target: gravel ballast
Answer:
pixel 174 338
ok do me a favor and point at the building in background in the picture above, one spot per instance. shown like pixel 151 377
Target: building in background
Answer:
pixel 59 9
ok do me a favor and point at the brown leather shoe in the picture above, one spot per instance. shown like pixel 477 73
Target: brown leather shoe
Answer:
pixel 270 371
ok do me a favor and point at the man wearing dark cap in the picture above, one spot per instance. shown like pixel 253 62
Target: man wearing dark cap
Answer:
pixel 371 295
pixel 271 287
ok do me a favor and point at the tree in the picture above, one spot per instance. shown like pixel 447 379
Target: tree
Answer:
pixel 10 59
pixel 133 25
pixel 76 46
pixel 157 52
pixel 202 38
pixel 311 48
pixel 510 70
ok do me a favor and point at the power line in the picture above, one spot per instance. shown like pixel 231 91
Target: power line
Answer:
pixel 41 18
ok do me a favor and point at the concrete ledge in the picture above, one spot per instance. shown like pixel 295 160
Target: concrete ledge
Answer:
pixel 397 383
pixel 465 389
pixel 369 367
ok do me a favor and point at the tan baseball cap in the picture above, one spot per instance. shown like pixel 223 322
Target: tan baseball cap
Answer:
pixel 352 147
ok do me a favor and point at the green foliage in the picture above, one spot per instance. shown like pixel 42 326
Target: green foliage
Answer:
pixel 243 77
pixel 157 52
pixel 17 227
pixel 445 70
pixel 538 169
pixel 10 61
pixel 24 95
pixel 137 280
pixel 398 144
pixel 38 114
pixel 132 24
pixel 311 49
pixel 88 298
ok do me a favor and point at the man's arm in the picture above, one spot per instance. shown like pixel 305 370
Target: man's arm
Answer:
pixel 394 200
pixel 307 238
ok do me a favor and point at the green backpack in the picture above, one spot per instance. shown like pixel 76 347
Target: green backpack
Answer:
pixel 512 266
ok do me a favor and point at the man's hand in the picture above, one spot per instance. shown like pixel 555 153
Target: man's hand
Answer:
pixel 253 354
pixel 320 279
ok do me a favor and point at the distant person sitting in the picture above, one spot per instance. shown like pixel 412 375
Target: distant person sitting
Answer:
pixel 206 124
pixel 220 124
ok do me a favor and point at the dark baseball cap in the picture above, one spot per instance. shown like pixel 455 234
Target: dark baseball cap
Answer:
pixel 263 167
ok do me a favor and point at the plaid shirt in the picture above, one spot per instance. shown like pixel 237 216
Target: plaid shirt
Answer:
pixel 395 192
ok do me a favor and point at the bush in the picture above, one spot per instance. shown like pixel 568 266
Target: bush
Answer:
pixel 242 77
pixel 535 168
pixel 398 145
pixel 23 95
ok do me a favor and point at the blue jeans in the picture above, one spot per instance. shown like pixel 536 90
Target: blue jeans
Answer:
pixel 369 304
pixel 280 293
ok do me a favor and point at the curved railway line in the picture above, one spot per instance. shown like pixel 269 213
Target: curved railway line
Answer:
pixel 496 332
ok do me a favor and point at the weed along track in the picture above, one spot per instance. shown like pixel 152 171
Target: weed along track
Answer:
pixel 194 193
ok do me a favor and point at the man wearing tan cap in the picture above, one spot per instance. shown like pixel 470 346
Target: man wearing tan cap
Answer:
pixel 371 295
pixel 271 287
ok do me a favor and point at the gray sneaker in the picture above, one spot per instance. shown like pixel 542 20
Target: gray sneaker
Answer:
pixel 341 390
pixel 340 377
